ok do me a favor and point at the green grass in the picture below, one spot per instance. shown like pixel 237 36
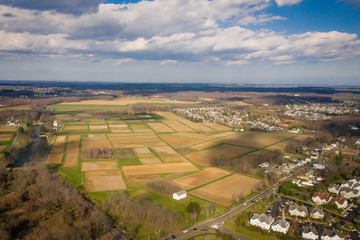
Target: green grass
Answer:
pixel 100 196
pixel 73 174
pixel 128 162
pixel 78 108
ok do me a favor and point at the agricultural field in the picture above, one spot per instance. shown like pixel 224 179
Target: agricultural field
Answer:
pixel 100 181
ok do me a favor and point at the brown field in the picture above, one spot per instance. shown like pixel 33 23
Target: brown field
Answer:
pixel 83 115
pixel 197 126
pixel 118 101
pixel 205 145
pixel 99 165
pixel 144 116
pixel 98 128
pixel 223 190
pixel 150 160
pixel 223 134
pixel 140 129
pixel 71 159
pixel 72 147
pixel 165 151
pixel 65 117
pixel 160 127
pixel 169 115
pixel 2 147
pixel 74 138
pixel 179 141
pixel 224 151
pixel 96 143
pixel 179 127
pixel 135 140
pixel 120 130
pixel 254 139
pixel 6 137
pixel 194 135
pixel 7 129
pixel 174 159
pixel 143 152
pixel 199 178
pixel 142 178
pixel 100 122
pixel 20 107
pixel 57 148
pixel 54 158
pixel 115 122
pixel 75 128
pixel 217 126
pixel 159 168
pixel 104 181
pixel 60 139
pixel 95 137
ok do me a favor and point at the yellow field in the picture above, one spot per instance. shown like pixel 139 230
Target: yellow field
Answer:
pixel 96 143
pixel 254 139
pixel 54 158
pixel 119 128
pixel 197 126
pixel 165 151
pixel 100 181
pixel 174 159
pixel 179 141
pixel 71 159
pixel 224 151
pixel 143 152
pixel 74 128
pixel 195 136
pixel 217 126
pixel 159 168
pixel 8 129
pixel 65 117
pixel 74 138
pixel 150 160
pixel 179 127
pixel 57 147
pixel 160 127
pixel 199 178
pixel 95 137
pixel 205 145
pixel 116 123
pixel 135 140
pixel 99 165
pixel 60 139
pixel 140 128
pixel 98 127
pixel 222 191
pixel 143 178
pixel 6 137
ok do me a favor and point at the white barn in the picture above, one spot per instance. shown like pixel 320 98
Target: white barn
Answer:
pixel 180 195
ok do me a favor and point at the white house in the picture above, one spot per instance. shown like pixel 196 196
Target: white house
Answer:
pixel 333 188
pixel 331 234
pixel 280 225
pixel 340 202
pixel 298 211
pixel 354 179
pixel 262 221
pixel 319 165
pixel 356 186
pixel 55 124
pixel 264 165
pixel 180 195
pixel 347 184
pixel 308 231
pixel 321 198
pixel 349 193
pixel 316 213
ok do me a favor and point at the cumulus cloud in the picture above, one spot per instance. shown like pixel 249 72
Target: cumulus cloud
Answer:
pixel 64 6
pixel 281 3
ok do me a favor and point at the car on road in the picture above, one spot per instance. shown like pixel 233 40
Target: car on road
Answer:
pixel 185 231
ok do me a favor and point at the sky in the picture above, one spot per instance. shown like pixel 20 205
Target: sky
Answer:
pixel 311 42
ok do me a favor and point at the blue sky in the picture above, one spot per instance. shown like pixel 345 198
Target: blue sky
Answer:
pixel 231 41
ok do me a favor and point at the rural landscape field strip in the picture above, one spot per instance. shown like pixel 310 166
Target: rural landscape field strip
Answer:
pixel 159 168
pixel 142 178
pixel 99 181
pixel 160 127
pixel 98 165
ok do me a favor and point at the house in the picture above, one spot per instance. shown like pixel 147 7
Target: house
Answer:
pixel 349 192
pixel 280 225
pixel 55 124
pixel 329 233
pixel 340 202
pixel 180 195
pixel 314 155
pixel 264 165
pixel 321 198
pixel 356 186
pixel 317 213
pixel 262 221
pixel 347 184
pixel 333 188
pixel 308 231
pixel 298 211
pixel 354 179
pixel 319 165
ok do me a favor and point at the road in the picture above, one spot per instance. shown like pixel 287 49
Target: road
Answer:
pixel 219 220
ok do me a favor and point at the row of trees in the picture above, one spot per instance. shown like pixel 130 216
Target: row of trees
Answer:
pixel 126 209
pixel 95 153
pixel 162 187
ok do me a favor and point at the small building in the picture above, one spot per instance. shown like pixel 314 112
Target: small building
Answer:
pixel 55 124
pixel 298 211
pixel 356 186
pixel 282 225
pixel 309 231
pixel 319 165
pixel 354 179
pixel 321 198
pixel 330 233
pixel 317 213
pixel 262 221
pixel 347 184
pixel 349 192
pixel 340 202
pixel 334 188
pixel 180 195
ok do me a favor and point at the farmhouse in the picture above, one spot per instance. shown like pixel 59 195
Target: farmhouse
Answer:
pixel 316 213
pixel 180 195
pixel 308 231
pixel 262 221
pixel 340 202
pixel 280 225
pixel 298 211
pixel 331 234
pixel 333 188
pixel 349 193
pixel 321 198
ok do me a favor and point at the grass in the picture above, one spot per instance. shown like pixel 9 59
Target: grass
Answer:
pixel 78 108
pixel 73 174
pixel 100 196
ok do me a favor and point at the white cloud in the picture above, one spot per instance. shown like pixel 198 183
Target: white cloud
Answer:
pixel 281 3
pixel 168 61
pixel 122 61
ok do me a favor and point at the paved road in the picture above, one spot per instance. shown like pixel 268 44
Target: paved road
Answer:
pixel 219 220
